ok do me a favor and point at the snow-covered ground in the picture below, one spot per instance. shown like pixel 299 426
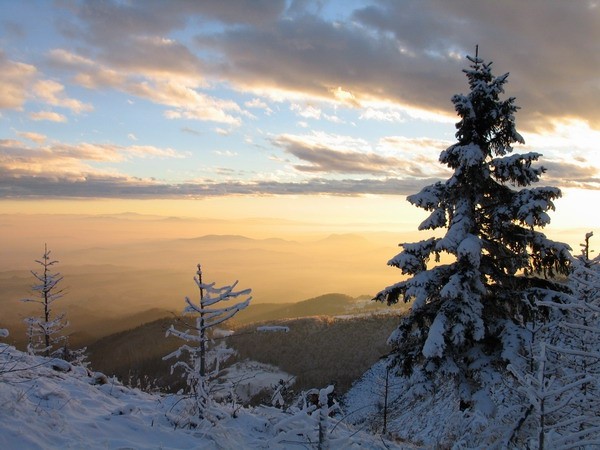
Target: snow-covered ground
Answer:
pixel 249 378
pixel 430 415
pixel 433 420
pixel 50 404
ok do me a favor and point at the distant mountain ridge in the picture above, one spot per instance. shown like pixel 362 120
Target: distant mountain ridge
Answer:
pixel 337 326
pixel 333 304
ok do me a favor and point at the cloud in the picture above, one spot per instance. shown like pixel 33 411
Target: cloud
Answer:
pixel 133 37
pixel 15 79
pixel 153 56
pixel 67 160
pixel 61 170
pixel 65 170
pixel 116 21
pixel 187 102
pixel 189 130
pixel 222 131
pixel 226 153
pixel 569 175
pixel 38 138
pixel 322 156
pixel 392 155
pixel 21 82
pixel 411 54
pixel 419 156
pixel 549 77
pixel 47 115
pixel 382 115
pixel 149 151
pixel 260 104
pixel 379 60
pixel 564 136
pixel 52 93
pixel 94 185
pixel 310 111
pixel 308 55
pixel 20 162
pixel 169 87
pixel 407 54
pixel 307 111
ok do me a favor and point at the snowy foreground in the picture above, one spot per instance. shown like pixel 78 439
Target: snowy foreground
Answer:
pixel 49 404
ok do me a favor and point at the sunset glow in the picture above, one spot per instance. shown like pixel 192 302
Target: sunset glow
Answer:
pixel 318 116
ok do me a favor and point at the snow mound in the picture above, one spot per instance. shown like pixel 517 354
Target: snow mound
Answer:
pixel 250 378
pixel 49 405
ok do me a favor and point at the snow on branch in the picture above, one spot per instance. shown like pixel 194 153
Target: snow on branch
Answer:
pixel 430 196
pixel 517 169
pixel 531 205
pixel 415 256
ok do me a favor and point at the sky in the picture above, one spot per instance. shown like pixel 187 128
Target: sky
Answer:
pixel 307 110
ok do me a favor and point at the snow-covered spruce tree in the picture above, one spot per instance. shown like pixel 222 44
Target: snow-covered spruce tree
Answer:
pixel 466 313
pixel 203 363
pixel 43 331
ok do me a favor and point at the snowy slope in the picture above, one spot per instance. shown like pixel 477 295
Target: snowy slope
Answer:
pixel 428 415
pixel 49 404
pixel 430 420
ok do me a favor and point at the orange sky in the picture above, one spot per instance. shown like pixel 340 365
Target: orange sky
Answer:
pixel 292 120
pixel 292 216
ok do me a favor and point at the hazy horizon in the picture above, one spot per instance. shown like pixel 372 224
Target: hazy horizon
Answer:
pixel 129 127
pixel 299 258
pixel 122 269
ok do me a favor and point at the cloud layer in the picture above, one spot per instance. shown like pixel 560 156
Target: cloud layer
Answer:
pixel 409 52
pixel 310 89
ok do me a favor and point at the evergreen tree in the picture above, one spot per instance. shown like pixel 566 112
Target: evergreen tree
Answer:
pixel 203 365
pixel 43 332
pixel 467 314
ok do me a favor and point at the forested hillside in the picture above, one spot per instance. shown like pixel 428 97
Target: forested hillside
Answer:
pixel 314 350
